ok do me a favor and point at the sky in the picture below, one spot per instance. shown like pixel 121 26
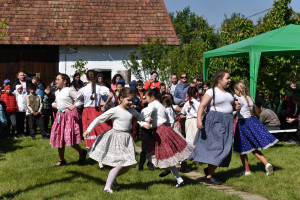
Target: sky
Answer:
pixel 215 10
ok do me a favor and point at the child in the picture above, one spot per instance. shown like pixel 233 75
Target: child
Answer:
pixel 34 112
pixel 47 107
pixel 66 129
pixel 90 96
pixel 199 80
pixel 116 147
pixel 10 107
pixel 6 82
pixel 3 120
pixel 166 148
pixel 190 109
pixel 174 118
pixel 214 139
pixel 162 89
pixel 146 134
pixel 250 134
pixel 20 95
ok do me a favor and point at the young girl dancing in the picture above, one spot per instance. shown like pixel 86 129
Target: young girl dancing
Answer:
pixel 250 135
pixel 91 96
pixel 115 148
pixel 190 109
pixel 214 139
pixel 166 148
pixel 66 129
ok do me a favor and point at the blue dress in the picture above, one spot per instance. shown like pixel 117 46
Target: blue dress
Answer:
pixel 250 135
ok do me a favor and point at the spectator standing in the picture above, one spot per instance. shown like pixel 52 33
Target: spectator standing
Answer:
pixel 3 120
pixel 173 84
pixel 20 95
pixel 115 80
pixel 181 90
pixel 10 107
pixel 24 80
pixel 34 112
pixel 77 83
pixel 153 81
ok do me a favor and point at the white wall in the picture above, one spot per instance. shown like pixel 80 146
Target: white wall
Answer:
pixel 108 58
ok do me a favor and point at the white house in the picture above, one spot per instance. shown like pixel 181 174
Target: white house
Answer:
pixel 46 37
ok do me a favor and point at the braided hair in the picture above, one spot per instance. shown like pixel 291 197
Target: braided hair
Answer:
pixel 91 75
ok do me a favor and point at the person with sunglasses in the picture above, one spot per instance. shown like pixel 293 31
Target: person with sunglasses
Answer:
pixel 181 90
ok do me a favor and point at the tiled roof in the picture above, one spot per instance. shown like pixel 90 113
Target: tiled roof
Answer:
pixel 86 22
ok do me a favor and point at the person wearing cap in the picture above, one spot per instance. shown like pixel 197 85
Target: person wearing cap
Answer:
pixel 6 82
pixel 10 106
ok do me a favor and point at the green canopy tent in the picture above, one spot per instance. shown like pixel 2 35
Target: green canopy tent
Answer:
pixel 281 41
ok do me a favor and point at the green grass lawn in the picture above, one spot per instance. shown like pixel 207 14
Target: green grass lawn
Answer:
pixel 284 184
pixel 27 173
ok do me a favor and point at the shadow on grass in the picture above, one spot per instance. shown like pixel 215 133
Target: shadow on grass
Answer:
pixel 225 175
pixel 10 145
pixel 74 175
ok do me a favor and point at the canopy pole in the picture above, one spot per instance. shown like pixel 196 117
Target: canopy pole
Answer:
pixel 205 68
pixel 254 67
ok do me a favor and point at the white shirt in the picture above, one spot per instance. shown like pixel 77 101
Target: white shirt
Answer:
pixel 245 109
pixel 157 112
pixel 121 118
pixel 84 94
pixel 65 97
pixel 172 88
pixel 190 110
pixel 223 100
pixel 21 100
pixel 171 115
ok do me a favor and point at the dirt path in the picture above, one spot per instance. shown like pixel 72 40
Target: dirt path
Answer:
pixel 229 190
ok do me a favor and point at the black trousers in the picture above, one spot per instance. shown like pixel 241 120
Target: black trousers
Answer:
pixel 20 118
pixel 48 114
pixel 39 121
pixel 146 137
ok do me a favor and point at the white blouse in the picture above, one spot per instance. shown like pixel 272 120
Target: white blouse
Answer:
pixel 84 94
pixel 245 109
pixel 190 110
pixel 65 97
pixel 223 100
pixel 121 118
pixel 157 112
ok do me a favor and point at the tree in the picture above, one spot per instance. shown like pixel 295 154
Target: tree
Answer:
pixel 233 29
pixel 152 56
pixel 79 66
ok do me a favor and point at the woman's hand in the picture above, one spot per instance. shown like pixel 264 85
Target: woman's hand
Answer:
pixel 71 107
pixel 103 105
pixel 200 124
pixel 86 134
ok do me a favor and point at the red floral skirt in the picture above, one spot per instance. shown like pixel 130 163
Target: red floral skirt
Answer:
pixel 88 116
pixel 167 148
